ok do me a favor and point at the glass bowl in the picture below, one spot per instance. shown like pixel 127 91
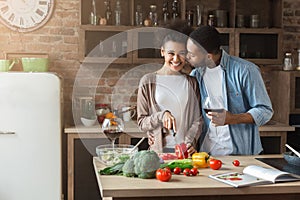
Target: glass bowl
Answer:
pixel 291 158
pixel 110 156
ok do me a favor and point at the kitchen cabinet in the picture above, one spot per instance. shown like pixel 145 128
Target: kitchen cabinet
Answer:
pixel 81 144
pixel 285 95
pixel 261 45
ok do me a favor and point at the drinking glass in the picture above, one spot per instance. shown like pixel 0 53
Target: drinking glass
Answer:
pixel 113 128
pixel 213 104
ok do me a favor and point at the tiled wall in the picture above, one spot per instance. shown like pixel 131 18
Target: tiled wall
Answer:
pixel 59 38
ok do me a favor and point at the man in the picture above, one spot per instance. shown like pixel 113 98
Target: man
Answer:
pixel 238 82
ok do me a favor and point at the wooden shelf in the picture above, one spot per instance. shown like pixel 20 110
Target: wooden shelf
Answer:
pixel 232 37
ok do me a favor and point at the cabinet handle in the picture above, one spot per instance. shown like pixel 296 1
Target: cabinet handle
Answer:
pixel 7 132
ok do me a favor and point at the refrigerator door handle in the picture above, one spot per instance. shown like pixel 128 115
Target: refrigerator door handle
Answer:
pixel 7 132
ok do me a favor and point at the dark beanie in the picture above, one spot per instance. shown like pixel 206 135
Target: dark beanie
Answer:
pixel 207 37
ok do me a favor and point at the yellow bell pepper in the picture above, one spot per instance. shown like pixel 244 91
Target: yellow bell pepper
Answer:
pixel 200 159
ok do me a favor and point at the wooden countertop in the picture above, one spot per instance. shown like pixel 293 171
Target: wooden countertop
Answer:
pixel 180 186
pixel 132 127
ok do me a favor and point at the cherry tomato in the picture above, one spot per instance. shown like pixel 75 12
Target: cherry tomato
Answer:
pixel 163 175
pixel 215 164
pixel 194 171
pixel 187 172
pixel 177 170
pixel 236 163
pixel 181 151
pixel 168 168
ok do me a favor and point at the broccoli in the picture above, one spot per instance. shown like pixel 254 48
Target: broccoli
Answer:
pixel 128 168
pixel 143 164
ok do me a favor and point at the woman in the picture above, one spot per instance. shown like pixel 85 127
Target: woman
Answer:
pixel 168 100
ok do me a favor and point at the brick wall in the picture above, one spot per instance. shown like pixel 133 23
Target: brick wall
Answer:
pixel 59 38
pixel 291 24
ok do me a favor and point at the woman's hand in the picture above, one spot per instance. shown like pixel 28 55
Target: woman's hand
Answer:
pixel 169 121
pixel 150 139
pixel 190 149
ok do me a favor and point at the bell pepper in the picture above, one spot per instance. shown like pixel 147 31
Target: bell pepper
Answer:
pixel 200 159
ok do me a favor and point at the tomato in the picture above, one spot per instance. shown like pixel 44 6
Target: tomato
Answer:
pixel 181 151
pixel 215 164
pixel 236 163
pixel 187 172
pixel 177 170
pixel 163 175
pixel 168 168
pixel 194 171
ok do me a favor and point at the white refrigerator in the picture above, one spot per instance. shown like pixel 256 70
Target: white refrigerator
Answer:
pixel 30 136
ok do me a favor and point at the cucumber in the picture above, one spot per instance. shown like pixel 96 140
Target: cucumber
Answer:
pixel 183 163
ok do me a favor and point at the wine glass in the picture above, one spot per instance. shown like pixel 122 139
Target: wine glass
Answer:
pixel 213 104
pixel 113 128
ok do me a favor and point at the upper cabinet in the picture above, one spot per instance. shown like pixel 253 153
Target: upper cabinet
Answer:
pixel 251 30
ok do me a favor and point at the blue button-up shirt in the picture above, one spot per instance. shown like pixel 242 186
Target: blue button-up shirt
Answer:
pixel 245 92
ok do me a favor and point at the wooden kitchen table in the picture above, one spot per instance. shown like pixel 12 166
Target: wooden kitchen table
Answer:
pixel 183 187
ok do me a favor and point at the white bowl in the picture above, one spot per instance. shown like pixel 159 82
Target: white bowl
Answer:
pixel 88 122
pixel 110 156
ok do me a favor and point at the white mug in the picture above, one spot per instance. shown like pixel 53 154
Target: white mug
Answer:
pixel 129 114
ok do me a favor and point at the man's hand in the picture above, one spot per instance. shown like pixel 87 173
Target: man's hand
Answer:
pixel 217 118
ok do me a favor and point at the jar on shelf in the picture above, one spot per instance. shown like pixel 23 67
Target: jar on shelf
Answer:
pixel 108 12
pixel 118 11
pixel 211 21
pixel 240 21
pixel 288 61
pixel 138 16
pixel 254 21
pixel 153 15
pixel 175 10
pixel 165 13
pixel 190 17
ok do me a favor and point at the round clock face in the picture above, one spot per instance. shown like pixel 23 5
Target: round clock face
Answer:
pixel 25 15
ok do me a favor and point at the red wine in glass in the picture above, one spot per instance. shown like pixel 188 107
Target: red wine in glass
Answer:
pixel 213 110
pixel 113 129
pixel 112 134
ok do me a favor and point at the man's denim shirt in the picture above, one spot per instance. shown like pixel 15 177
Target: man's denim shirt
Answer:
pixel 245 92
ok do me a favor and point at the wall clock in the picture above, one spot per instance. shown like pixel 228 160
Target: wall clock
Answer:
pixel 25 15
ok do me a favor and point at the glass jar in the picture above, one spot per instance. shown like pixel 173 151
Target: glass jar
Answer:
pixel 254 21
pixel 108 13
pixel 166 14
pixel 288 61
pixel 138 16
pixel 118 13
pixel 211 20
pixel 175 10
pixel 153 15
pixel 190 17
